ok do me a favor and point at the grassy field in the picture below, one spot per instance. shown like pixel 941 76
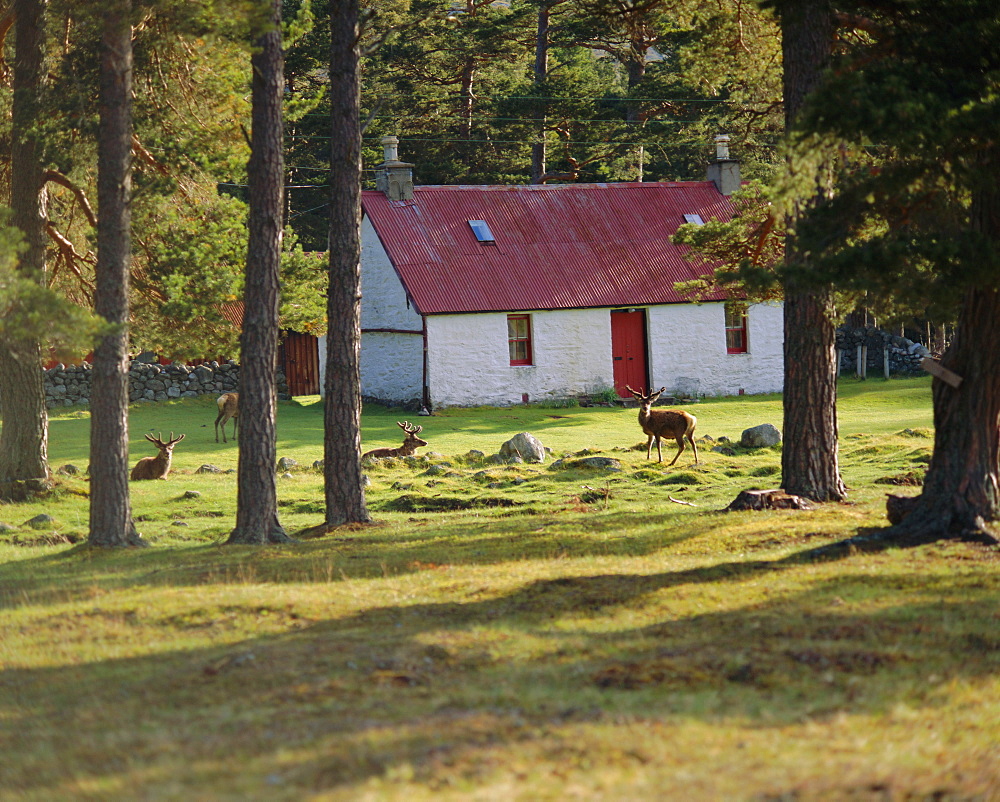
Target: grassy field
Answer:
pixel 501 632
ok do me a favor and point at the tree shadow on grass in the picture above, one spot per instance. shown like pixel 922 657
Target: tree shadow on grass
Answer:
pixel 418 685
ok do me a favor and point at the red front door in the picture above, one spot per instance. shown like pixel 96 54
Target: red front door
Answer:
pixel 628 350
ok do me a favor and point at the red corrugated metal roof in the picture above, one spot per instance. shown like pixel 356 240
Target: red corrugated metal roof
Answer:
pixel 557 247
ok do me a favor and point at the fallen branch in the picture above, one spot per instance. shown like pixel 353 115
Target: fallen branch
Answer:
pixel 678 501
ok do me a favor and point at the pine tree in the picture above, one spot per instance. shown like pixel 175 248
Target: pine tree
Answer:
pixel 345 495
pixel 111 521
pixel 257 494
pixel 24 465
pixel 916 216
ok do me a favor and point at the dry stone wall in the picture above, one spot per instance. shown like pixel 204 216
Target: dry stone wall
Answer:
pixel 904 355
pixel 149 382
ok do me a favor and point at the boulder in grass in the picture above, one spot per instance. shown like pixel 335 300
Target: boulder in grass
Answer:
pixel 524 445
pixel 762 436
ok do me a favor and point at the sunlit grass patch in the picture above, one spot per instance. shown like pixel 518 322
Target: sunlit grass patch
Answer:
pixel 508 632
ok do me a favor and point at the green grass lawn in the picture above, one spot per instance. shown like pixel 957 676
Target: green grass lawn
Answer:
pixel 501 632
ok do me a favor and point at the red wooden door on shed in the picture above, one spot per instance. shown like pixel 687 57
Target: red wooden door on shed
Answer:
pixel 628 350
pixel 299 356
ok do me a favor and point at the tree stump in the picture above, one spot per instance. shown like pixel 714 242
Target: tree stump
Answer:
pixel 898 507
pixel 768 500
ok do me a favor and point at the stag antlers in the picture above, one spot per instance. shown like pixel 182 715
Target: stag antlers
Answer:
pixel 410 444
pixel 672 423
pixel 159 466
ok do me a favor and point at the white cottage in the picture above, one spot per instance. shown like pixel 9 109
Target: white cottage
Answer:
pixel 508 294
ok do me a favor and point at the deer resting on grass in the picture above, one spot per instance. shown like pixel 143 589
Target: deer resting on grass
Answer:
pixel 229 404
pixel 159 466
pixel 410 444
pixel 664 423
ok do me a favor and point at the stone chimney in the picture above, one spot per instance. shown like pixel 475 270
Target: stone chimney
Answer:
pixel 393 177
pixel 724 172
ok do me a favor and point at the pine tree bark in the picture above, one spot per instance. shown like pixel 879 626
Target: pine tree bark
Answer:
pixel 962 487
pixel 257 493
pixel 24 467
pixel 809 465
pixel 345 497
pixel 111 521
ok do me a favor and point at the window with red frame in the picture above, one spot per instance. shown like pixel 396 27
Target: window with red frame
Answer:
pixel 736 328
pixel 519 339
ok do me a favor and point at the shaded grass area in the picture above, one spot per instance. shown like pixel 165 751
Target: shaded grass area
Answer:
pixel 559 633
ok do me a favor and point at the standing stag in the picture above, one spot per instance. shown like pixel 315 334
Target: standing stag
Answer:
pixel 664 423
pixel 229 408
pixel 159 466
pixel 410 444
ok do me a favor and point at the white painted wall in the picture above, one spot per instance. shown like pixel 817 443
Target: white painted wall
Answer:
pixel 688 341
pixel 383 299
pixel 392 366
pixel 391 363
pixel 469 360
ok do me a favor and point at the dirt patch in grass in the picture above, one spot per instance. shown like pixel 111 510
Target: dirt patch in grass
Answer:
pixel 683 478
pixel 909 479
pixel 413 503
pixel 760 668
pixel 47 539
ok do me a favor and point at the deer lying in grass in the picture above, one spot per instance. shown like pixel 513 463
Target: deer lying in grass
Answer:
pixel 159 466
pixel 229 408
pixel 664 423
pixel 410 444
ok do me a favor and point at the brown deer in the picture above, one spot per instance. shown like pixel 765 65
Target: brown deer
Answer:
pixel 159 466
pixel 410 444
pixel 229 408
pixel 664 423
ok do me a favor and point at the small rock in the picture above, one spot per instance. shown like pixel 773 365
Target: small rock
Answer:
pixel 208 468
pixel 41 521
pixel 192 494
pixel 287 462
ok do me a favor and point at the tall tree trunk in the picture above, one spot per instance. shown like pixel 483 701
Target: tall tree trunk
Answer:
pixel 809 464
pixel 962 486
pixel 111 521
pixel 541 81
pixel 24 467
pixel 809 451
pixel 636 70
pixel 257 494
pixel 345 496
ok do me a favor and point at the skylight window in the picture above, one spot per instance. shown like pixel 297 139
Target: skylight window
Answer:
pixel 481 230
pixel 694 218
